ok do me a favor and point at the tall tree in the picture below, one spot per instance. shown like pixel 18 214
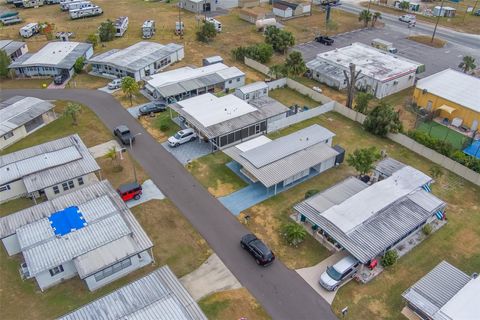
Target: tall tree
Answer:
pixel 467 64
pixel 107 31
pixel 294 64
pixel 280 40
pixel 73 111
pixel 361 101
pixel 382 120
pixel 130 88
pixel 93 39
pixel 404 5
pixel 362 160
pixel 351 79
pixel 376 16
pixel 4 63
pixel 79 63
pixel 365 16
pixel 207 32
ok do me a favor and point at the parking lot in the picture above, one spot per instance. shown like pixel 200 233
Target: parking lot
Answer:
pixel 449 56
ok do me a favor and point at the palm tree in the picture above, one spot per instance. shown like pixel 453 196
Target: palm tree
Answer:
pixel 294 233
pixel 365 16
pixel 294 64
pixel 467 64
pixel 73 110
pixel 112 155
pixel 376 15
pixel 276 71
pixel 130 88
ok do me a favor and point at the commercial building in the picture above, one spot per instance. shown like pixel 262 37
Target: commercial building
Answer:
pixel 89 232
pixel 49 169
pixel 453 94
pixel 287 160
pixel 158 295
pixel 228 120
pixel 137 61
pixel 20 116
pixel 55 58
pixel 14 49
pixel 368 220
pixel 252 91
pixel 445 293
pixel 186 82
pixel 382 74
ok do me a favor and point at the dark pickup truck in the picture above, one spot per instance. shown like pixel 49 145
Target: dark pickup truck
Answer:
pixel 324 40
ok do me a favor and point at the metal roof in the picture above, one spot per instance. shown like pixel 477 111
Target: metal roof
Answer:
pixel 18 110
pixel 157 296
pixel 287 145
pixel 48 164
pixel 107 220
pixel 463 305
pixel 252 87
pixel 278 169
pixel 464 91
pixel 266 107
pixel 58 54
pixel 388 166
pixel 137 56
pixel 436 288
pixel 10 46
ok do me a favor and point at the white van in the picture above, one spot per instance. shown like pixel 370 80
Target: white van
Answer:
pixel 29 30
pixel 216 23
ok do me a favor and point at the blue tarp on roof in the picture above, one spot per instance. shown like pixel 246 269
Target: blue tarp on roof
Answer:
pixel 67 220
pixel 473 149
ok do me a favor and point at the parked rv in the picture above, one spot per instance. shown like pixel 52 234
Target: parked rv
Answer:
pixel 65 3
pixel 148 29
pixel 79 5
pixel 121 26
pixel 179 27
pixel 29 30
pixel 28 3
pixel 52 1
pixel 87 12
pixel 384 45
pixel 216 23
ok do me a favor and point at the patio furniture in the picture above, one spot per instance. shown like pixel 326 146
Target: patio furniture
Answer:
pixel 457 122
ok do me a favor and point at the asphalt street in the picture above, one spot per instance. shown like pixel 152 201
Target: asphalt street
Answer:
pixel 281 291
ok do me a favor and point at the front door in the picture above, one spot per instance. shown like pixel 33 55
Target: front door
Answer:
pixel 207 7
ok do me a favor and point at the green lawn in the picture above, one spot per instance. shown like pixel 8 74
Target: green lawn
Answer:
pixel 290 97
pixel 443 133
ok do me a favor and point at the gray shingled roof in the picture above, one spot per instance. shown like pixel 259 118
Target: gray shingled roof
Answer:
pixel 157 296
pixel 18 110
pixel 436 288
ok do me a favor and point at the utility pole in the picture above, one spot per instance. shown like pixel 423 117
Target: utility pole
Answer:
pixel 438 19
pixel 351 80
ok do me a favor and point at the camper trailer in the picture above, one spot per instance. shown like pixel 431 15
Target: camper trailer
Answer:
pixel 65 3
pixel 52 1
pixel 216 23
pixel 29 3
pixel 79 5
pixel 87 12
pixel 179 27
pixel 121 26
pixel 29 30
pixel 148 29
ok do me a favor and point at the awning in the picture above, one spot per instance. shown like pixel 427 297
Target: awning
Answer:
pixel 446 108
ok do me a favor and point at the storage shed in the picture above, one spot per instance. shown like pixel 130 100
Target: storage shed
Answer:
pixel 252 91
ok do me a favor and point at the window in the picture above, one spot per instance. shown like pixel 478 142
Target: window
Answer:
pixel 8 135
pixel 113 269
pixel 65 186
pixel 80 181
pixel 71 185
pixel 238 79
pixel 230 81
pixel 5 187
pixel 247 96
pixel 56 270
pixel 56 190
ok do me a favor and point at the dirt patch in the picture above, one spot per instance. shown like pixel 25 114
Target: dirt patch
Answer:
pixel 221 189
pixel 467 242
pixel 379 308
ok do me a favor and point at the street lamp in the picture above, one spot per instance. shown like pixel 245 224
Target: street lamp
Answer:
pixel 131 150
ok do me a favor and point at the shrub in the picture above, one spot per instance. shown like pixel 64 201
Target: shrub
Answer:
pixel 79 63
pixel 382 120
pixel 261 52
pixel 293 233
pixel 390 258
pixel 427 229
pixel 436 172
pixel 310 193
pixel 207 32
pixel 107 31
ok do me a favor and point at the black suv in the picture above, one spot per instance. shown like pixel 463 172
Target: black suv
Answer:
pixel 59 79
pixel 262 254
pixel 153 107
pixel 324 40
pixel 124 134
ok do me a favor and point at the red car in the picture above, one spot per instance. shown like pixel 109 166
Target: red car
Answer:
pixel 130 191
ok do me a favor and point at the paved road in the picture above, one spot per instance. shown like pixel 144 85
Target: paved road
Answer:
pixel 281 291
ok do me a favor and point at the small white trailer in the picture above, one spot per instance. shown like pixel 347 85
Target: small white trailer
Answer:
pixel 216 23
pixel 33 3
pixel 148 29
pixel 29 30
pixel 84 13
pixel 121 26
pixel 52 1
pixel 79 5
pixel 65 3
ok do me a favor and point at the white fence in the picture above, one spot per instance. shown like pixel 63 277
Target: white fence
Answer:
pixel 317 96
pixel 257 66
pixel 300 116
pixel 277 84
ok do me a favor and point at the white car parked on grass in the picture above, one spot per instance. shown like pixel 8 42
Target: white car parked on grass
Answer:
pixel 115 84
pixel 181 137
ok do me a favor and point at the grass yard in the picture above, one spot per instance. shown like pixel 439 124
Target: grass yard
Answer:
pixel 443 133
pixel 121 176
pixel 232 304
pixel 289 97
pixel 153 125
pixel 427 40
pixel 84 80
pixel 339 96
pixel 90 128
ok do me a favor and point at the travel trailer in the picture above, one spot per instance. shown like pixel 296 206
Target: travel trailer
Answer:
pixel 29 30
pixel 121 26
pixel 87 12
pixel 148 29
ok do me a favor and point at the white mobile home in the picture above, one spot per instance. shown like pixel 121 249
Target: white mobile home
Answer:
pixel 137 61
pixel 49 169
pixel 29 30
pixel 20 116
pixel 89 232
pixel 14 49
pixel 86 12
pixel 121 26
pixel 53 59
pixel 252 91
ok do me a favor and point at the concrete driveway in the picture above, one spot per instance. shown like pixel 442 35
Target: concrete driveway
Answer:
pixel 149 192
pixel 189 151
pixel 312 274
pixel 212 276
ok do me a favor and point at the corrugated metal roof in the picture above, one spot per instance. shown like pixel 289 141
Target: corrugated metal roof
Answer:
pixel 436 288
pixel 284 167
pixel 108 219
pixel 252 87
pixel 388 166
pixel 10 46
pixel 18 110
pixel 159 295
pixel 287 145
pixel 48 164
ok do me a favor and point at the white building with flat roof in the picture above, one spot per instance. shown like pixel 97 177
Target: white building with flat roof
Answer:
pixel 53 59
pixel 381 73
pixel 89 232
pixel 185 82
pixel 137 61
